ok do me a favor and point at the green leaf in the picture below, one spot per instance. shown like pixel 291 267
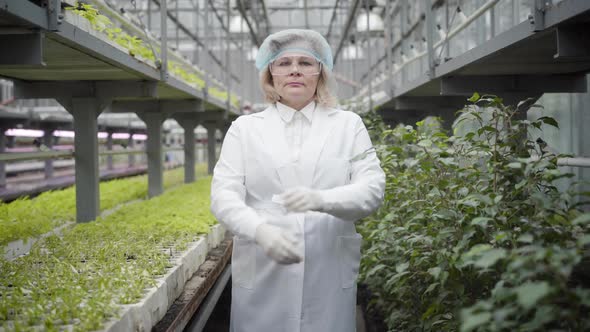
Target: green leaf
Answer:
pixel 582 219
pixel 402 267
pixel 434 271
pixel 525 238
pixel 472 321
pixel 530 293
pixel 479 249
pixel 389 217
pixel 431 288
pixel 425 143
pixel 520 184
pixel 490 258
pixel 481 221
pixel 463 191
pixel 515 165
pixel 483 198
pixel 549 120
pixel 584 240
pixel 474 98
pixel 375 269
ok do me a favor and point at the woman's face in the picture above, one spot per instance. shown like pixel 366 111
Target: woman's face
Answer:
pixel 295 78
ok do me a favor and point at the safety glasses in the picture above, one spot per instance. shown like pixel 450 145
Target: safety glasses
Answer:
pixel 283 66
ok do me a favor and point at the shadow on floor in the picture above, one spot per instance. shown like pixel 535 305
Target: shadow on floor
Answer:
pixel 219 319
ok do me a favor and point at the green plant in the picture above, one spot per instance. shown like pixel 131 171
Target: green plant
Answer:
pixel 27 218
pixel 84 276
pixel 475 221
pixel 136 46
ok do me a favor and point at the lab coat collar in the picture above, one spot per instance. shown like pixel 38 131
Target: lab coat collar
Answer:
pixel 287 112
pixel 273 138
pixel 270 110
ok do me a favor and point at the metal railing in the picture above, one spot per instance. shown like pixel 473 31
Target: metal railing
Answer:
pixel 400 71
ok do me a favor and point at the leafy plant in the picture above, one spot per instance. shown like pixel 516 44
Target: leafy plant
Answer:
pixel 475 221
pixel 136 47
pixel 25 218
pixel 84 276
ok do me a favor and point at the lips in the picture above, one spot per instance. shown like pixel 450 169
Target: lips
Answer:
pixel 295 84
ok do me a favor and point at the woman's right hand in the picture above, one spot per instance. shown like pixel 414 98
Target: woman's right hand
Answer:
pixel 280 245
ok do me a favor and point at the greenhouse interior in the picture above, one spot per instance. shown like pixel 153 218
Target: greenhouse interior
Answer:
pixel 138 158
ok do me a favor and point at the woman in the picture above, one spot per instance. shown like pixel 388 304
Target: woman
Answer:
pixel 289 184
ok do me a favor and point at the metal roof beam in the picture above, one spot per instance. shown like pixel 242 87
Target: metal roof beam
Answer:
pixel 253 34
pixel 500 84
pixel 220 19
pixel 266 18
pixel 196 39
pixel 332 19
pixel 349 20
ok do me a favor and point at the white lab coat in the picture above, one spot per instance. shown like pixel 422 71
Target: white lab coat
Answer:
pixel 319 294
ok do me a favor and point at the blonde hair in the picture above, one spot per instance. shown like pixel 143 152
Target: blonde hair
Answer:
pixel 323 93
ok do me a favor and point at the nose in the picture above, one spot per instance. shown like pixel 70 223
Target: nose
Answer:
pixel 296 71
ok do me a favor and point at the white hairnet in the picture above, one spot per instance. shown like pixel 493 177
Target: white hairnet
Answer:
pixel 294 40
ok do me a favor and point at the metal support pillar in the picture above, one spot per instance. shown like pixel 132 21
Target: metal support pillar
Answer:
pixel 110 148
pixel 153 113
pixel 211 155
pixel 492 22
pixel 369 64
pixel 130 146
pixel 228 63
pixel 404 43
pixel 85 100
pixel 10 141
pixel 149 19
pixel 388 42
pixel 153 122
pixel 537 19
pixel 189 155
pixel 2 163
pixel 164 41
pixel 208 55
pixel 189 151
pixel 188 121
pixel 85 112
pixel 430 37
pixel 48 142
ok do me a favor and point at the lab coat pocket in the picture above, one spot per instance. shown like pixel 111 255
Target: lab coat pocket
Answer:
pixel 243 267
pixel 349 250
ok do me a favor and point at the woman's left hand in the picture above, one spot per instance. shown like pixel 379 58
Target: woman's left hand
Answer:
pixel 302 199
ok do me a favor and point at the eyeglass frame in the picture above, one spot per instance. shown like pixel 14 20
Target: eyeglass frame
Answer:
pixel 270 69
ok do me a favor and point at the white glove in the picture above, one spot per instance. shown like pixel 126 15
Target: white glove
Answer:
pixel 302 199
pixel 278 244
